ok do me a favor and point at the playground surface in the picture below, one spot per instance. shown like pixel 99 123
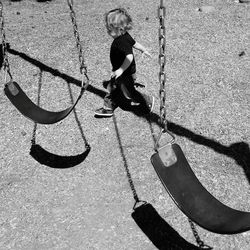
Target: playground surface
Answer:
pixel 89 206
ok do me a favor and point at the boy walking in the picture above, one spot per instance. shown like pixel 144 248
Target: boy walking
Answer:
pixel 121 86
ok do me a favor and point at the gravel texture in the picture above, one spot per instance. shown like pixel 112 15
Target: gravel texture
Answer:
pixel 89 206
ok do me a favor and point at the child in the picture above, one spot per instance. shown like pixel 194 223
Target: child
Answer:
pixel 123 76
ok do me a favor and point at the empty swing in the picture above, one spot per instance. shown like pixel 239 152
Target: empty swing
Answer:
pixel 19 98
pixel 52 160
pixel 179 180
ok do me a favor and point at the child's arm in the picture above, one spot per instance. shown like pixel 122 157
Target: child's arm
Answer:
pixel 141 48
pixel 127 61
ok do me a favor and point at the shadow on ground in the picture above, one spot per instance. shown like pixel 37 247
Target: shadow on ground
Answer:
pixel 160 233
pixel 239 151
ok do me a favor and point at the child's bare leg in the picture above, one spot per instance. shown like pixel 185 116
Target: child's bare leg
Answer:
pixel 133 103
pixel 109 87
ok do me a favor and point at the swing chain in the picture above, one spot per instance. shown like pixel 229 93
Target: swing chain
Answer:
pixel 162 62
pixel 33 140
pixel 162 93
pixel 6 65
pixel 131 183
pixel 200 243
pixel 162 74
pixel 83 66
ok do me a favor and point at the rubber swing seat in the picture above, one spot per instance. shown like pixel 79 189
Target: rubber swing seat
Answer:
pixel 191 196
pixel 29 109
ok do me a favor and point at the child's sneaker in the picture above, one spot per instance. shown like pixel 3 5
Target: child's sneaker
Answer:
pixel 106 83
pixel 151 104
pixel 102 112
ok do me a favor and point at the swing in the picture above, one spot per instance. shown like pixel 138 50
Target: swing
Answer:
pixel 159 232
pixel 22 102
pixel 180 181
pixel 192 198
pixel 49 159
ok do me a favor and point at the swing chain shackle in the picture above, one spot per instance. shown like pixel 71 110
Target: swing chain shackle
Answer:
pixel 157 145
pixel 83 66
pixel 6 65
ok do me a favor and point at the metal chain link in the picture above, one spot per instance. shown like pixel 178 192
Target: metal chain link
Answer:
pixel 33 140
pixel 162 62
pixel 162 74
pixel 131 183
pixel 200 243
pixel 162 93
pixel 6 65
pixel 83 67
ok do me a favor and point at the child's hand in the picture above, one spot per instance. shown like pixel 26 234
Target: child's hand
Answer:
pixel 116 73
pixel 147 54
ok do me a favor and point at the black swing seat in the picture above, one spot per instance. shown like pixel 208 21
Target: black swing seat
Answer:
pixel 29 109
pixel 192 198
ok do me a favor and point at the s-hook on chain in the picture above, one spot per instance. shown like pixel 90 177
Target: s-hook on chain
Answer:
pixel 83 67
pixel 6 65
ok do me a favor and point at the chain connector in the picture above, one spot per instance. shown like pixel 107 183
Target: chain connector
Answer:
pixel 163 130
pixel 138 203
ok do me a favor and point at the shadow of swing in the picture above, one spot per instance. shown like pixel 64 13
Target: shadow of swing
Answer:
pixel 49 159
pixel 44 157
pixel 160 233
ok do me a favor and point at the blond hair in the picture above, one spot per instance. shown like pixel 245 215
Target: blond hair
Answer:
pixel 118 21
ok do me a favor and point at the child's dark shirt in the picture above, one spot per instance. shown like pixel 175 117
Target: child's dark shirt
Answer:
pixel 120 48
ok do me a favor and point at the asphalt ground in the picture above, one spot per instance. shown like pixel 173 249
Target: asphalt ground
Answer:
pixel 89 205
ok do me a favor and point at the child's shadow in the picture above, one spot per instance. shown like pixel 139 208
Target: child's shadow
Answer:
pixel 1 56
